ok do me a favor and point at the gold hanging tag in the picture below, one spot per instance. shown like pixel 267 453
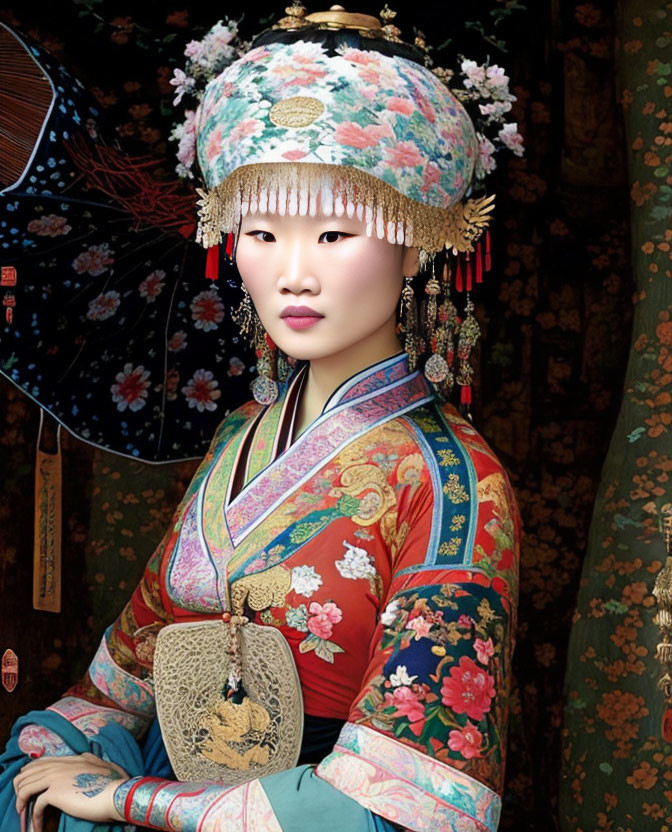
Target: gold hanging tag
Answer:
pixel 47 536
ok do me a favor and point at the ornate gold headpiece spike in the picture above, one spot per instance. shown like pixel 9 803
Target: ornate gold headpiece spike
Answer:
pixel 295 17
pixel 467 222
pixel 443 74
pixel 389 30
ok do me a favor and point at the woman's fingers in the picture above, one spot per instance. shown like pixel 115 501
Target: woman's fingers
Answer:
pixel 38 812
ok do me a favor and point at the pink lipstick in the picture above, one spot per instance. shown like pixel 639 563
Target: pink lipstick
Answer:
pixel 300 317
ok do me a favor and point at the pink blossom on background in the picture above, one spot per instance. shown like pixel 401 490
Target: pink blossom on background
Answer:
pixel 94 261
pixel 130 390
pixel 484 650
pixel 152 286
pixel 404 155
pixel 207 310
pixel 201 392
pixel 178 341
pixel 236 367
pixel 407 703
pixel 468 689
pixel 466 742
pixel 103 306
pixel 322 618
pixel 50 225
pixel 464 621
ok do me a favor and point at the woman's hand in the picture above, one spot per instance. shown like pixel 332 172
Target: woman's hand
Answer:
pixel 82 786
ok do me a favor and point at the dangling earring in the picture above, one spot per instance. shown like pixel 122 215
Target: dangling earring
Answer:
pixel 264 387
pixel 244 315
pixel 468 337
pixel 409 322
pixel 436 367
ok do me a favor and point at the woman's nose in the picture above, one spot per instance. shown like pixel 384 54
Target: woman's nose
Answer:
pixel 297 273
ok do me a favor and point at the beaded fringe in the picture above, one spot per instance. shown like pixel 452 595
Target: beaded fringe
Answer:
pixel 296 188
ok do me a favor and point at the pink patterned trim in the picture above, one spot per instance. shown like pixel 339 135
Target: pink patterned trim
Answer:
pixel 89 718
pixel 129 692
pixel 407 787
pixel 316 446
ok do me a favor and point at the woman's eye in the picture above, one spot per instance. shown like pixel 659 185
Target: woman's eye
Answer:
pixel 333 236
pixel 262 236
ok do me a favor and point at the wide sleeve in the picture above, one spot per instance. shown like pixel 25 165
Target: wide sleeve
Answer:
pixel 117 687
pixel 424 744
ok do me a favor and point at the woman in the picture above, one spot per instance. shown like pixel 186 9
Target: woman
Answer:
pixel 352 515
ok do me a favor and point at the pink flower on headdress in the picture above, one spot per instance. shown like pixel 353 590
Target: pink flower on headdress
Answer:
pixel 246 127
pixel 213 147
pixel 425 107
pixel 485 163
pixel 256 54
pixel 432 175
pixel 400 105
pixel 512 139
pixel 294 155
pixel 466 742
pixel 353 135
pixel 130 391
pixel 359 56
pixel 404 155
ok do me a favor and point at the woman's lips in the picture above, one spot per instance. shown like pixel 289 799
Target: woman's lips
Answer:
pixel 301 321
pixel 300 317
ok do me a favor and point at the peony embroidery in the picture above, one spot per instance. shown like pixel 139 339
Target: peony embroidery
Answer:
pixel 356 563
pixel 407 703
pixel 468 689
pixel 466 741
pixel 305 581
pixel 484 650
pixel 322 618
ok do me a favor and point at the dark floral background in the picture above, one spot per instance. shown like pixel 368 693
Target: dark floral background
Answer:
pixel 590 197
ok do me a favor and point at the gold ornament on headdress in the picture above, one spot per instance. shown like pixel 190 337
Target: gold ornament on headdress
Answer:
pixel 295 17
pixel 390 31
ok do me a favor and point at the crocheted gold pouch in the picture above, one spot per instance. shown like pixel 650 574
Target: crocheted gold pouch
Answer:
pixel 228 700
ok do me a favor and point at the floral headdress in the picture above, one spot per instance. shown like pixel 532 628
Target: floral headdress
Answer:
pixel 333 108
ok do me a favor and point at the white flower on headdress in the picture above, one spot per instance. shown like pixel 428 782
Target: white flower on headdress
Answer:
pixel 185 134
pixel 495 109
pixel 356 563
pixel 510 136
pixel 183 84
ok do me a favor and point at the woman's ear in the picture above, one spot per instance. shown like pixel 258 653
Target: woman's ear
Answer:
pixel 410 263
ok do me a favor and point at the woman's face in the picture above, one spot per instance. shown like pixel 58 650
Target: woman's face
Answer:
pixel 320 285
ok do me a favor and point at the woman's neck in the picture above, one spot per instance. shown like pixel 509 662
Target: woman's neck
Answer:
pixel 326 374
